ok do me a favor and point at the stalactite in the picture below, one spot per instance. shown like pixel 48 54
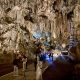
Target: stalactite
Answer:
pixel 50 15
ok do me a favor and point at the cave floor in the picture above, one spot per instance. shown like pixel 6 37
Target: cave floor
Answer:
pixel 28 75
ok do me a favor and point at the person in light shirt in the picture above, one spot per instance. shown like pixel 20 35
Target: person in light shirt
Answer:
pixel 24 59
pixel 39 71
pixel 15 63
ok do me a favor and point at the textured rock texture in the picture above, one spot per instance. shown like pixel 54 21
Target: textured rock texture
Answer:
pixel 19 19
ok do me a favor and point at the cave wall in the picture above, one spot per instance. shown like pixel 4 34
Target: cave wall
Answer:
pixel 19 19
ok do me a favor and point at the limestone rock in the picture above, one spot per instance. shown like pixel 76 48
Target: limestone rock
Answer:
pixel 20 17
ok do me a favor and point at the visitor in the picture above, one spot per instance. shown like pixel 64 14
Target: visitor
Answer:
pixel 24 59
pixel 35 63
pixel 39 71
pixel 37 43
pixel 15 63
pixel 38 50
pixel 42 56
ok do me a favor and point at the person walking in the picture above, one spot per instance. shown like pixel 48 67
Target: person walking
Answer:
pixel 24 59
pixel 15 63
pixel 39 71
pixel 35 63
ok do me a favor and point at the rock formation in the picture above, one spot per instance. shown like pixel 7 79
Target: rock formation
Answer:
pixel 20 19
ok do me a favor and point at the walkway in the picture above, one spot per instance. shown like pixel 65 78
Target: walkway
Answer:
pixel 59 70
pixel 28 75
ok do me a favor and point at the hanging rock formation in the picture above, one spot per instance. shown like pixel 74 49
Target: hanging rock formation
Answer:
pixel 22 18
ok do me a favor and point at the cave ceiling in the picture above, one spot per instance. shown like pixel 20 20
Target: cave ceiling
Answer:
pixel 19 19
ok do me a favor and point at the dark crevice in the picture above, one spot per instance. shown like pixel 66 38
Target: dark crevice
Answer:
pixel 70 14
pixel 54 4
pixel 44 16
pixel 8 20
pixel 7 10
pixel 29 18
pixel 24 29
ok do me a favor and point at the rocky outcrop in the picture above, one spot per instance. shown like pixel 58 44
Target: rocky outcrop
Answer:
pixel 22 18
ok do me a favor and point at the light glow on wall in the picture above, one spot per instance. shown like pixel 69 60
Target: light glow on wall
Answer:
pixel 63 45
pixel 54 35
pixel 37 35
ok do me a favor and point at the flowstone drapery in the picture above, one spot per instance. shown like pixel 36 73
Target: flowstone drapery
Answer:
pixel 25 17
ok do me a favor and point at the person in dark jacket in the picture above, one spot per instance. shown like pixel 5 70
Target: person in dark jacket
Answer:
pixel 15 63
pixel 35 63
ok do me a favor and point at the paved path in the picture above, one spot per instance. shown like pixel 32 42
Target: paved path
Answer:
pixel 58 71
pixel 30 74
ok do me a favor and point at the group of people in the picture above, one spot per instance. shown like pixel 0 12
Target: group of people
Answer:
pixel 40 59
pixel 18 58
